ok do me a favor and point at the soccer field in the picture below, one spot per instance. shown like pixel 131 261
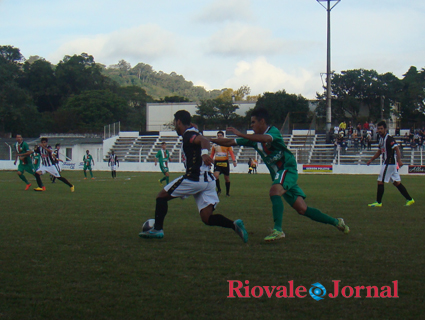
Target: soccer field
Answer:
pixel 77 255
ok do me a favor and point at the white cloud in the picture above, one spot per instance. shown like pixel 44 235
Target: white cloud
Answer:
pixel 142 43
pixel 226 10
pixel 261 76
pixel 240 39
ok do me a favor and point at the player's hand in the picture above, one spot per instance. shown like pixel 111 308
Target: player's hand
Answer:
pixel 234 164
pixel 14 163
pixel 369 162
pixel 400 164
pixel 207 159
pixel 234 130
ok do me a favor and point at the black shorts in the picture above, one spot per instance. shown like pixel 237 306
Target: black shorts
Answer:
pixel 222 167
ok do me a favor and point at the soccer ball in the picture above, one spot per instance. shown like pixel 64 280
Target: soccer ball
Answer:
pixel 149 224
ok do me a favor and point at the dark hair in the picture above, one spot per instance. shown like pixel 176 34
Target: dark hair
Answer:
pixel 382 124
pixel 163 142
pixel 261 113
pixel 183 116
pixel 57 145
pixel 221 132
pixel 44 139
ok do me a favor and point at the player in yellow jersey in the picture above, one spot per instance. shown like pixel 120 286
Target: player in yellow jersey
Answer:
pixel 220 155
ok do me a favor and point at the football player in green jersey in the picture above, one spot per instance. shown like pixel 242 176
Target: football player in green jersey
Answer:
pixel 23 154
pixel 163 156
pixel 282 166
pixel 88 159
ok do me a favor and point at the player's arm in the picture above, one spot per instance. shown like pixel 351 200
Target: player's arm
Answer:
pixel 263 138
pixel 116 161
pixel 49 150
pixel 376 155
pixel 224 142
pixel 398 153
pixel 233 156
pixel 205 146
pixel 92 161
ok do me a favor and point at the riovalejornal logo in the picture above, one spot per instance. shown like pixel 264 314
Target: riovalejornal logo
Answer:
pixel 239 289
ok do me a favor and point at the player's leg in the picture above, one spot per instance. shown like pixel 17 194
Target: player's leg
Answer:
pixel 167 177
pixel 21 175
pixel 206 202
pixel 217 181
pixel 403 191
pixel 384 176
pixel 227 180
pixel 91 172
pixel 37 176
pixel 85 172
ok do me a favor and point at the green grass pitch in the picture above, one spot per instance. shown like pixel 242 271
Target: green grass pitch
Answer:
pixel 77 255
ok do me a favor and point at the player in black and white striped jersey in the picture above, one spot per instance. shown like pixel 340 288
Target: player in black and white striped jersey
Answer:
pixel 198 182
pixel 49 164
pixel 391 162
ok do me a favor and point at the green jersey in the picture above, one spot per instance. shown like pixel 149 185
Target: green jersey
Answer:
pixel 36 158
pixel 87 159
pixel 22 148
pixel 275 154
pixel 162 156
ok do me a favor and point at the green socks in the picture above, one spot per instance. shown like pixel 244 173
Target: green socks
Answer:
pixel 317 215
pixel 277 204
pixel 23 178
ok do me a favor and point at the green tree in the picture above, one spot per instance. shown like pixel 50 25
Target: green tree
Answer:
pixel 80 73
pixel 89 111
pixel 412 97
pixel 40 80
pixel 280 103
pixel 17 111
pixel 216 113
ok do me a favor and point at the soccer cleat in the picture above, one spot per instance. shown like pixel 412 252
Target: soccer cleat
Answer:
pixel 227 195
pixel 72 189
pixel 92 178
pixel 341 226
pixel 375 204
pixel 40 189
pixel 85 178
pixel 152 233
pixel 44 188
pixel 240 230
pixel 275 235
pixel 28 186
pixel 409 202
pixel 160 183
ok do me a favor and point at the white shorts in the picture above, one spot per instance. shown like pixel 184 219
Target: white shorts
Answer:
pixel 389 173
pixel 114 168
pixel 53 170
pixel 203 192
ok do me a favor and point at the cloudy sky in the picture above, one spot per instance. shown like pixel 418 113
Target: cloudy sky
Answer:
pixel 268 45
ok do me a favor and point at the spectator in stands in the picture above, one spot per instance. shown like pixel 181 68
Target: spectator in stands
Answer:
pixel 366 126
pixel 362 143
pixel 342 127
pixel 343 146
pixel 416 137
pixel 397 131
pixel 356 141
pixel 369 141
pixel 350 129
pixel 359 128
pixel 411 133
pixel 413 145
pixel 336 131
pixel 406 139
pixel 420 142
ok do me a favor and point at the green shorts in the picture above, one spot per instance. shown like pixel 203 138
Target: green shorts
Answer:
pixel 26 167
pixel 164 169
pixel 87 168
pixel 288 179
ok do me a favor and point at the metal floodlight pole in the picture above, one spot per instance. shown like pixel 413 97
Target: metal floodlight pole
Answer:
pixel 328 64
